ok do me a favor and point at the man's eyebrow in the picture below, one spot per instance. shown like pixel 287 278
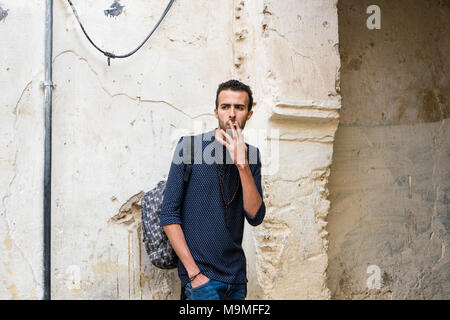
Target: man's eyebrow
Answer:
pixel 229 104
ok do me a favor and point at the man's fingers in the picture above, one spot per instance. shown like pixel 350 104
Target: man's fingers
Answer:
pixel 238 128
pixel 227 136
pixel 235 135
pixel 222 141
pixel 238 131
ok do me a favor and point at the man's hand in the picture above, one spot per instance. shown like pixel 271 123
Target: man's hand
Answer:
pixel 178 242
pixel 235 145
pixel 199 280
pixel 238 150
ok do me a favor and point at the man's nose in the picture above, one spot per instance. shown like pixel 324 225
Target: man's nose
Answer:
pixel 232 113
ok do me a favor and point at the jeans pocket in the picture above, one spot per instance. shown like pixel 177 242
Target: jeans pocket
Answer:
pixel 191 289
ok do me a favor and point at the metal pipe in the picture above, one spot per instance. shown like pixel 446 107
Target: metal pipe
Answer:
pixel 48 146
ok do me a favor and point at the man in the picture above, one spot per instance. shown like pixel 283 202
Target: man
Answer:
pixel 205 223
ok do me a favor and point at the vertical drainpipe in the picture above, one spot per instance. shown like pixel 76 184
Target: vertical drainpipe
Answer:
pixel 48 145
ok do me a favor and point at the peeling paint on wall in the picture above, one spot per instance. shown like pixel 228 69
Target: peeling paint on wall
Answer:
pixel 130 212
pixel 114 10
pixel 3 13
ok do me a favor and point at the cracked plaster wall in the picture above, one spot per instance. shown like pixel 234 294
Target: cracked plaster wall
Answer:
pixel 389 186
pixel 114 130
pixel 21 150
pixel 290 57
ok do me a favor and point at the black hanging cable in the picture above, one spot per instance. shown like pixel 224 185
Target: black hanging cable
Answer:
pixel 110 54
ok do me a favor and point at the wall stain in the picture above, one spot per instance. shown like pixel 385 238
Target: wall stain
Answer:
pixel 429 110
pixel 8 243
pixel 14 292
pixel 354 64
pixel 115 9
pixel 3 13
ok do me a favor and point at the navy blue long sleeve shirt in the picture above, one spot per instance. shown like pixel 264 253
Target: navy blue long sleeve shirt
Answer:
pixel 216 248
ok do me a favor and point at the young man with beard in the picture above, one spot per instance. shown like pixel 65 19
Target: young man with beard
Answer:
pixel 205 221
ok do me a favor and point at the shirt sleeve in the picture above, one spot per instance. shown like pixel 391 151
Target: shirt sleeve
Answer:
pixel 173 193
pixel 259 217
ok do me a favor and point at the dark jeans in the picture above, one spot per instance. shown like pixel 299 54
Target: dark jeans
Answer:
pixel 215 290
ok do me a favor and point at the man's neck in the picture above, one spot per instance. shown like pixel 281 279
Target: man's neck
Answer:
pixel 217 132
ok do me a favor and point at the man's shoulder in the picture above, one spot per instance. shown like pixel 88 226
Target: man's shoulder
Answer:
pixel 203 136
pixel 251 146
pixel 207 135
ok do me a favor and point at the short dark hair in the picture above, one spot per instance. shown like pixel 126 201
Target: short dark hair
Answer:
pixel 235 85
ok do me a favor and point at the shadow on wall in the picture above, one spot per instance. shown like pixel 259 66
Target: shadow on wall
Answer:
pixel 390 177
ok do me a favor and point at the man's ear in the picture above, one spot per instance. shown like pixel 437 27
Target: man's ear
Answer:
pixel 249 115
pixel 216 114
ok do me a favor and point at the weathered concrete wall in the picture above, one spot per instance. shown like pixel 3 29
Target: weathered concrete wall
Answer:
pixel 21 148
pixel 389 183
pixel 114 130
pixel 293 65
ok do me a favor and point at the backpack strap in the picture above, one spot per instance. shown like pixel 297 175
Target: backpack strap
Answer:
pixel 188 170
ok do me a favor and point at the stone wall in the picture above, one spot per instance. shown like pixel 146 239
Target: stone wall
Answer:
pixel 294 68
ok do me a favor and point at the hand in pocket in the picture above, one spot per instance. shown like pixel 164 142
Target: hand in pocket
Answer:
pixel 199 280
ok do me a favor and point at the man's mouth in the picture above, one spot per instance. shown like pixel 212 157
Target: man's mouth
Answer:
pixel 232 123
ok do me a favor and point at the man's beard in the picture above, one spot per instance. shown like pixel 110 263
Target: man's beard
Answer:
pixel 223 126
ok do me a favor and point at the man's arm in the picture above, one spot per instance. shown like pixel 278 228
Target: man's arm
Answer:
pixel 254 206
pixel 176 238
pixel 170 219
pixel 252 198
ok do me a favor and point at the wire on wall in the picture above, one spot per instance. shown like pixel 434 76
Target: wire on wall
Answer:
pixel 110 55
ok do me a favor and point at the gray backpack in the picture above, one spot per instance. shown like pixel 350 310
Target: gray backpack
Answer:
pixel 157 244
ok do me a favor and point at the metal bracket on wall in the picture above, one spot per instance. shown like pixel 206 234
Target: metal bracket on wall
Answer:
pixel 45 83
